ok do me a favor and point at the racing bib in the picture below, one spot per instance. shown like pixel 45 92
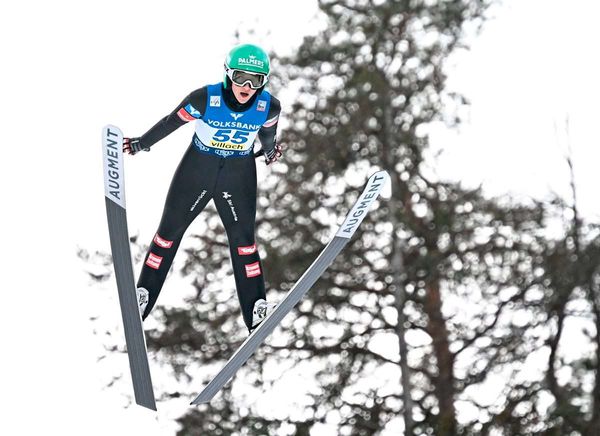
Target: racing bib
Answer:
pixel 226 133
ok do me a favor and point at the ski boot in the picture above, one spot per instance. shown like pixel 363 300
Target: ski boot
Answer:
pixel 262 309
pixel 142 296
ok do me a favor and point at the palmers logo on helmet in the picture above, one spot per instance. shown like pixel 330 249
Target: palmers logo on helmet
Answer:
pixel 251 60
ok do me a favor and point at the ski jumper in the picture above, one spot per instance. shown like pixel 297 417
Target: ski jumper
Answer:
pixel 219 164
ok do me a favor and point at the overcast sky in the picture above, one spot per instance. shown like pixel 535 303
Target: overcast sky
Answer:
pixel 71 67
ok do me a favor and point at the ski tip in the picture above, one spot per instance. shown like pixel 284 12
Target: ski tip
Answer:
pixel 111 127
pixel 380 177
pixel 112 155
pixel 386 190
pixel 370 193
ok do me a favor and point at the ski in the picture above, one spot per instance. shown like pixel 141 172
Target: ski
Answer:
pixel 302 286
pixel 114 192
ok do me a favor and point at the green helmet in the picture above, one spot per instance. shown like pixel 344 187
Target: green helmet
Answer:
pixel 249 58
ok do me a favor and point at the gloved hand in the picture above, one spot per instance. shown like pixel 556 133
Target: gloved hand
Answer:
pixel 133 145
pixel 273 154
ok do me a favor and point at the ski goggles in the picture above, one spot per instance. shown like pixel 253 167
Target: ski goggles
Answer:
pixel 241 78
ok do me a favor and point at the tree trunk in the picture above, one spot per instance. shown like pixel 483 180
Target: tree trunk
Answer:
pixel 400 296
pixel 593 427
pixel 444 382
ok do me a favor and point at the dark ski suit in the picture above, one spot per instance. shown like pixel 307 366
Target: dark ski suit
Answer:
pixel 219 165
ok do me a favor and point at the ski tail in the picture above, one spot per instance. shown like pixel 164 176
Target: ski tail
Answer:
pixel 114 191
pixel 356 215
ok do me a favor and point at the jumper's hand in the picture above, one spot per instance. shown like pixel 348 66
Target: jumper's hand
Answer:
pixel 133 145
pixel 273 154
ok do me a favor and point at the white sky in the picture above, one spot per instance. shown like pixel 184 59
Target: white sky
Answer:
pixel 70 67
pixel 533 67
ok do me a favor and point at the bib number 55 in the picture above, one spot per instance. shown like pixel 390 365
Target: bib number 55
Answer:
pixel 225 135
